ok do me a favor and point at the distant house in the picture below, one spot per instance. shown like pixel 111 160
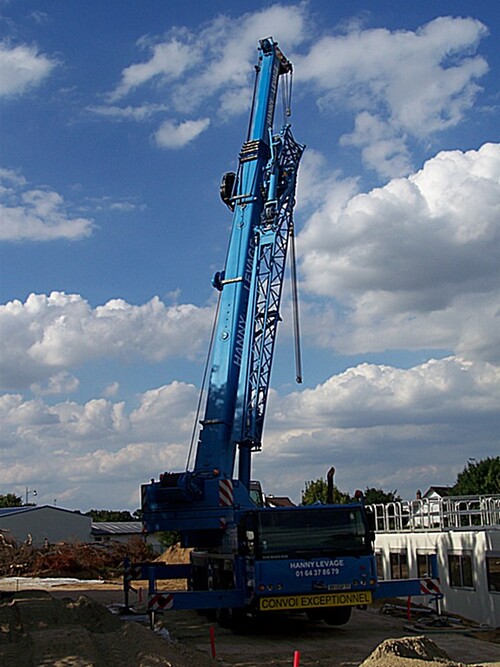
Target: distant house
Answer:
pixel 123 531
pixel 37 525
pixel 437 492
pixel 279 501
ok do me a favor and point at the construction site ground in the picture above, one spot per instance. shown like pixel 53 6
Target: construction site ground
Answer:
pixel 72 625
pixel 48 621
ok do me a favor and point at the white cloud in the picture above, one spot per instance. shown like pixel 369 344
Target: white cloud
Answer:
pixel 176 135
pixel 22 67
pixel 382 148
pixel 52 334
pixel 438 391
pixel 59 383
pixel 87 449
pixel 217 57
pixel 383 426
pixel 398 83
pixel 169 60
pixel 36 214
pixel 407 428
pixel 138 113
pixel 111 389
pixel 211 68
pixel 413 264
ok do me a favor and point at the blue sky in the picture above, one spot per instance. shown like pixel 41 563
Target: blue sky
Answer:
pixel 118 119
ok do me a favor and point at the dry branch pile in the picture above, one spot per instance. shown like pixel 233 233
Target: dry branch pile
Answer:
pixel 79 560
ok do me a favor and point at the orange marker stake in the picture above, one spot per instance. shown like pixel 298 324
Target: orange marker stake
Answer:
pixel 296 659
pixel 212 641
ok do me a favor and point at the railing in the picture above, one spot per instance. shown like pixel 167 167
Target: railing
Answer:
pixel 449 513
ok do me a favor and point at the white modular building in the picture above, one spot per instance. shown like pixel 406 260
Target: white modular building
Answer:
pixel 456 539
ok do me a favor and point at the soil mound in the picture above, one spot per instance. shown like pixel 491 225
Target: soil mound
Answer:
pixel 38 629
pixel 174 554
pixel 408 652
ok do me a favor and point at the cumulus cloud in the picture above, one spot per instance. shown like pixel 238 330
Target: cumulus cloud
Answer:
pixel 405 427
pixel 218 57
pixel 210 68
pixel 168 61
pixel 49 335
pixel 36 214
pixel 438 391
pixel 402 424
pixel 176 135
pixel 398 83
pixel 21 68
pixel 413 264
pixel 59 383
pixel 97 441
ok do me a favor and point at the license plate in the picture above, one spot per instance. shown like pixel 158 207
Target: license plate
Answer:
pixel 289 602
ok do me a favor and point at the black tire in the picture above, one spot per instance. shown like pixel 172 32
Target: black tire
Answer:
pixel 232 619
pixel 337 615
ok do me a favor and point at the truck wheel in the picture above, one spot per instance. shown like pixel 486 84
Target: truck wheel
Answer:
pixel 337 615
pixel 315 614
pixel 232 619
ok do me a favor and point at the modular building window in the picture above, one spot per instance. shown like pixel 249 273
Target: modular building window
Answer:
pixel 399 565
pixel 493 570
pixel 424 565
pixel 460 571
pixel 379 561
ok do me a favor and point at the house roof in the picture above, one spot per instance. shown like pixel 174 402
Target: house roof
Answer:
pixel 279 501
pixel 441 491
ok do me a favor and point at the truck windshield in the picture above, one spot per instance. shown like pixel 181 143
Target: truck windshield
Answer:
pixel 289 533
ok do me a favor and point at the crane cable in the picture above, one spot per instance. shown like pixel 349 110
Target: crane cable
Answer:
pixel 203 384
pixel 295 307
pixel 286 93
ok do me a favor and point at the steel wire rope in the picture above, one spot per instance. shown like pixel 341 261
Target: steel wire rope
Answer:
pixel 203 383
pixel 286 95
pixel 295 306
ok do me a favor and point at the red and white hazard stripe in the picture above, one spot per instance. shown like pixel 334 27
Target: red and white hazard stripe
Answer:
pixel 226 492
pixel 429 587
pixel 160 601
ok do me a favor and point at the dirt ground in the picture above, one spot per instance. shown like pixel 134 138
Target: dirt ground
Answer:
pixel 75 628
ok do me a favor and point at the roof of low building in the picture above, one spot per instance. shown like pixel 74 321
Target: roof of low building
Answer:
pixel 117 528
pixel 9 511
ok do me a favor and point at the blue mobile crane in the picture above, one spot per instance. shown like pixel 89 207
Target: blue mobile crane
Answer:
pixel 248 559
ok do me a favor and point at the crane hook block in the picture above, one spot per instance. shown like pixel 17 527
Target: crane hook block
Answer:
pixel 227 189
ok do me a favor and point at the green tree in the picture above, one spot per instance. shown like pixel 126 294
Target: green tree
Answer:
pixel 478 478
pixel 168 538
pixel 10 500
pixel 373 496
pixel 110 515
pixel 317 491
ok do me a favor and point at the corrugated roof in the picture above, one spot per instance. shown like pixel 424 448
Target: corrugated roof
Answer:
pixel 7 511
pixel 117 528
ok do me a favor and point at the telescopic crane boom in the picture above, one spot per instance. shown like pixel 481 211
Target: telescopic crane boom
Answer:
pixel 261 196
pixel 248 559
